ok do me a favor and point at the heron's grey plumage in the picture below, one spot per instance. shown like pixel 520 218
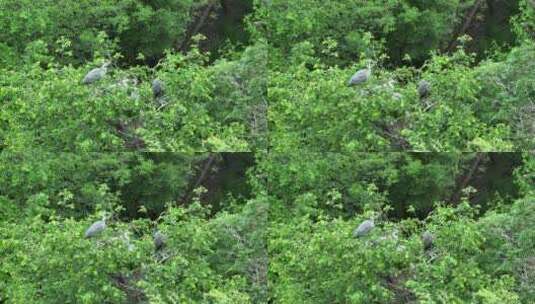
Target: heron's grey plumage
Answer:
pixel 96 228
pixel 364 228
pixel 157 88
pixel 159 240
pixel 359 77
pixel 424 88
pixel 96 74
pixel 427 240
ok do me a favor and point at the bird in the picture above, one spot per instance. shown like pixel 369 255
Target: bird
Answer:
pixel 424 88
pixel 157 88
pixel 96 74
pixel 96 228
pixel 364 228
pixel 159 240
pixel 427 240
pixel 359 77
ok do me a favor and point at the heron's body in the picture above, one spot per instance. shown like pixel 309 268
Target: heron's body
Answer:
pixel 159 240
pixel 427 240
pixel 359 77
pixel 424 88
pixel 95 74
pixel 157 88
pixel 95 229
pixel 364 228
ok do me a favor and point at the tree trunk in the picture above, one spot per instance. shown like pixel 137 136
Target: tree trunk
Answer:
pixel 456 197
pixel 194 29
pixel 468 19
pixel 200 179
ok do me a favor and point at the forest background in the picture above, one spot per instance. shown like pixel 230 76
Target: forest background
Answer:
pixel 256 160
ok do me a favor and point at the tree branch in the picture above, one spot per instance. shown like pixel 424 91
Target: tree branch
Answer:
pixel 126 283
pixel 202 176
pixel 198 25
pixel 467 178
pixel 468 19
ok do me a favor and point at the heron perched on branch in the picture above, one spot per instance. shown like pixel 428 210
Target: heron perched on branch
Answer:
pixel 360 76
pixel 364 228
pixel 96 228
pixel 159 240
pixel 96 74
pixel 157 88
pixel 158 91
pixel 427 240
pixel 424 89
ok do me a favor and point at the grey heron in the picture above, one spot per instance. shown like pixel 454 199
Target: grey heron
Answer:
pixel 96 74
pixel 364 228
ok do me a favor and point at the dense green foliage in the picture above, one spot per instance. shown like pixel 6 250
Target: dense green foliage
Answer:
pixel 402 27
pixel 345 184
pixel 147 27
pixel 473 261
pixel 49 261
pixel 211 255
pixel 290 244
pixel 487 108
pixel 211 108
pixel 227 151
pixel 298 59
pixel 38 180
pixel 477 257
